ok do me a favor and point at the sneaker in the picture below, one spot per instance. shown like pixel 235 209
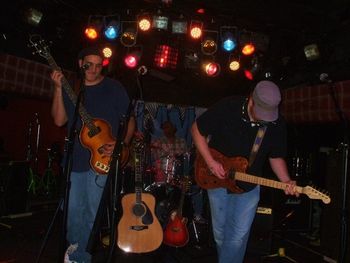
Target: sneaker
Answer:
pixel 200 220
pixel 70 251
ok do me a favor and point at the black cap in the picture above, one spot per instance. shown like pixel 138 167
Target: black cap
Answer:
pixel 93 50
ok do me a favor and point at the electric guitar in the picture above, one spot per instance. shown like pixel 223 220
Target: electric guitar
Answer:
pixel 95 133
pixel 236 167
pixel 176 233
pixel 139 230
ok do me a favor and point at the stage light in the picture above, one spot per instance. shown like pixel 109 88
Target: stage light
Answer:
pixel 248 49
pixel 94 26
pixel 160 22
pixel 166 57
pixel 311 52
pixel 131 60
pixel 105 62
pixel 144 22
pixel 179 26
pixel 133 56
pixel 253 70
pixel 211 68
pixel 112 27
pixel 196 29
pixel 228 35
pixel 234 63
pixel 209 42
pixel 107 52
pixel 191 60
pixel 33 16
pixel 129 35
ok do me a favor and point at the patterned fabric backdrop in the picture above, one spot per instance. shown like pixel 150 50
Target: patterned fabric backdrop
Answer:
pixel 302 104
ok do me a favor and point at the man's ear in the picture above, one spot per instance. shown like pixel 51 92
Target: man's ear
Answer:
pixel 80 62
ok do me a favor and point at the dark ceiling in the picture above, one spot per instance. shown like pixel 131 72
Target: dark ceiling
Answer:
pixel 288 25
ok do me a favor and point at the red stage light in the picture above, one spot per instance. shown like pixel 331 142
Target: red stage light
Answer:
pixel 248 74
pixel 166 57
pixel 131 60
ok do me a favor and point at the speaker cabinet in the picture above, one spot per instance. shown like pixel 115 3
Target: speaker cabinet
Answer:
pixel 260 239
pixel 13 187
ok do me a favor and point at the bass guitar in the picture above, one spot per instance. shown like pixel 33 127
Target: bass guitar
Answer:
pixel 139 230
pixel 236 167
pixel 95 133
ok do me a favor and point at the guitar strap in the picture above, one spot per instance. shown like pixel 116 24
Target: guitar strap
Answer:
pixel 258 139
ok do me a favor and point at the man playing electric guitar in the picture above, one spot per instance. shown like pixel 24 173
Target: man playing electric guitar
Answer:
pixel 107 101
pixel 231 128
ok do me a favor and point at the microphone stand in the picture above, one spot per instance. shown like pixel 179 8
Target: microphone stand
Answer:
pixel 67 173
pixel 344 146
pixel 111 187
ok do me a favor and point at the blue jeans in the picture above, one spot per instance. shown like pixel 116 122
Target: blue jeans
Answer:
pixel 232 216
pixel 84 198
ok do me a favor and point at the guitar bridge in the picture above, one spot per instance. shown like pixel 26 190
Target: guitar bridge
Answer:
pixel 138 228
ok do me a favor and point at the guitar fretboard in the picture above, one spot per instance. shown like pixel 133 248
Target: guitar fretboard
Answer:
pixel 86 118
pixel 263 181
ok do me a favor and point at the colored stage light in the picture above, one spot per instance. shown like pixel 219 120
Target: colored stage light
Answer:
pixel 228 35
pixel 112 27
pixel 211 69
pixel 166 57
pixel 131 60
pixel 129 36
pixel 94 26
pixel 145 24
pixel 196 29
pixel 248 49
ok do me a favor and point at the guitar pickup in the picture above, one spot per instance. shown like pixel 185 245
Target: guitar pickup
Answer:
pixel 138 228
pixel 93 132
pixel 102 166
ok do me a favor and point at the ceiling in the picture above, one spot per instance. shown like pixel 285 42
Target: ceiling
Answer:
pixel 288 25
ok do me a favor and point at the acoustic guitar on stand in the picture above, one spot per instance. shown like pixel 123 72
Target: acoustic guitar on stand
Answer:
pixel 95 133
pixel 176 233
pixel 139 230
pixel 236 167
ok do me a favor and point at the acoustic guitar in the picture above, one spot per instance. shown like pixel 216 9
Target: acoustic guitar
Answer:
pixel 139 230
pixel 95 133
pixel 176 233
pixel 235 168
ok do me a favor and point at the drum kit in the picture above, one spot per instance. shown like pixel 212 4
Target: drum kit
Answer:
pixel 164 180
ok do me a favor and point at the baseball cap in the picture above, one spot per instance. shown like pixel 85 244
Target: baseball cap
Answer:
pixel 92 50
pixel 266 97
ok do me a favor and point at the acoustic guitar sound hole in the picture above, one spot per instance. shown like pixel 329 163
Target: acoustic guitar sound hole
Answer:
pixel 138 210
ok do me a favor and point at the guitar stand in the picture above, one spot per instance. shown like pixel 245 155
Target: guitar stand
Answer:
pixel 281 253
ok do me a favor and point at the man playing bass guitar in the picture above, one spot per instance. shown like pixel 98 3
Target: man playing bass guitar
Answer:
pixel 107 101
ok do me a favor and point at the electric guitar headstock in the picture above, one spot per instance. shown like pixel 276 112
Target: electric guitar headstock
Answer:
pixel 313 193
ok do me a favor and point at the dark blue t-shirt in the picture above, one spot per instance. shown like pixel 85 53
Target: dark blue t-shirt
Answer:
pixel 108 101
pixel 231 133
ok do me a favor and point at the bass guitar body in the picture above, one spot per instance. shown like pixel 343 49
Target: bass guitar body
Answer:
pixel 139 230
pixel 94 138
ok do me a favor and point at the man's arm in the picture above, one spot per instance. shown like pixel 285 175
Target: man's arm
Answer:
pixel 279 167
pixel 202 146
pixel 58 111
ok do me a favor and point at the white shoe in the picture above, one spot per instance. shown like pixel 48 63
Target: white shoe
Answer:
pixel 70 251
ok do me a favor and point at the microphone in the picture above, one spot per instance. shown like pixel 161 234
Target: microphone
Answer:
pixel 324 77
pixel 85 66
pixel 142 70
